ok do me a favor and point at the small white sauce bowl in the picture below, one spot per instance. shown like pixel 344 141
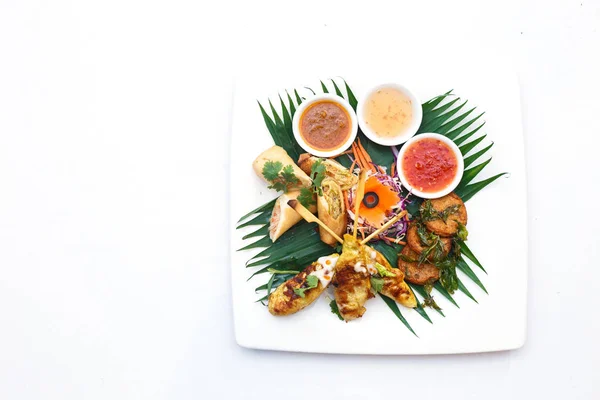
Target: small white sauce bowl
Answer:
pixel 410 130
pixel 334 99
pixel 460 167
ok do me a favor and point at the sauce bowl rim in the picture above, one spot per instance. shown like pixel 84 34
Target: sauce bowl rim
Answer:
pixel 335 99
pixel 459 170
pixel 412 129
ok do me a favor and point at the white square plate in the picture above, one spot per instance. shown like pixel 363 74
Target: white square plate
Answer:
pixel 497 229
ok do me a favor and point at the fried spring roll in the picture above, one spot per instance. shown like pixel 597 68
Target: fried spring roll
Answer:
pixel 331 211
pixel 275 154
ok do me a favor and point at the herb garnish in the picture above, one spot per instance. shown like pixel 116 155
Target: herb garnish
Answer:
pixel 429 213
pixel 377 280
pixel 447 267
pixel 281 178
pixel 453 209
pixel 311 283
pixel 428 300
pixel 462 231
pixel 317 174
pixel 335 309
pixel 383 272
pixel 432 243
pixel 376 284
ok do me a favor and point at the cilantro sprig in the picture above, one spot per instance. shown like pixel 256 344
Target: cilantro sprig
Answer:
pixel 311 283
pixel 377 280
pixel 317 174
pixel 281 178
pixel 376 284
pixel 335 309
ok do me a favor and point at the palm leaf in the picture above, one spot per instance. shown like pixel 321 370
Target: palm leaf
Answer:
pixel 298 99
pixel 466 148
pixel 263 231
pixel 437 114
pixel 471 173
pixel 394 307
pixel 460 140
pixel 260 219
pixel 265 207
pixel 471 159
pixel 463 289
pixel 470 190
pixel 438 286
pixel 419 309
pixel 265 241
pixel 351 98
pixel 337 89
pixel 291 103
pixel 464 267
pixel 421 291
pixel 325 90
pixel 464 249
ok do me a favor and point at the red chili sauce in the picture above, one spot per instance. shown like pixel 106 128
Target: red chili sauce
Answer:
pixel 429 165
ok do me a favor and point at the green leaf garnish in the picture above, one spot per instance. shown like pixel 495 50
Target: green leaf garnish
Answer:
pixel 306 197
pixel 383 272
pixel 432 243
pixel 288 174
pixel 281 178
pixel 271 170
pixel 449 210
pixel 376 284
pixel 462 231
pixel 335 310
pixel 311 283
pixel 317 174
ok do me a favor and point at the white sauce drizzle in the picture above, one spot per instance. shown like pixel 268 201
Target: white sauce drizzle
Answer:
pixel 371 265
pixel 359 268
pixel 371 268
pixel 325 273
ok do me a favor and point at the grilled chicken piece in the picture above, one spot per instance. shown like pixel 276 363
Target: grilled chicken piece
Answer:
pixel 285 301
pixel 394 287
pixel 352 280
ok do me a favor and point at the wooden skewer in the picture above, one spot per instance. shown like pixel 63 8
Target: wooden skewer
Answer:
pixel 384 227
pixel 360 193
pixel 310 217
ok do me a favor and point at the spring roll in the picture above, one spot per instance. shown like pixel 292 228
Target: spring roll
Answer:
pixel 331 211
pixel 333 169
pixel 283 216
pixel 275 154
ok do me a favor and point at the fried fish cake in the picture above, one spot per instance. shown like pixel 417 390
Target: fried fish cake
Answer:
pixel 352 283
pixel 453 206
pixel 415 273
pixel 414 242
pixel 394 287
pixel 285 301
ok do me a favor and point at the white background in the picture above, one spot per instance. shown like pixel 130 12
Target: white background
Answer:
pixel 114 136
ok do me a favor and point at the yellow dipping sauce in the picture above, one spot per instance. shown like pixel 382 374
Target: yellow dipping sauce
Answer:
pixel 388 112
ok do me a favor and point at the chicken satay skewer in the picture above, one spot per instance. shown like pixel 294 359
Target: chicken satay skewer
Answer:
pixel 360 194
pixel 310 217
pixel 384 227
